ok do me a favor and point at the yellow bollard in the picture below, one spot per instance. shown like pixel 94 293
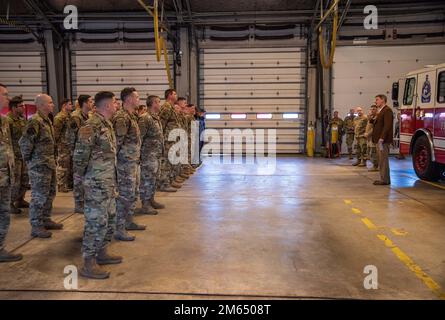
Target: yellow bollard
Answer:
pixel 310 140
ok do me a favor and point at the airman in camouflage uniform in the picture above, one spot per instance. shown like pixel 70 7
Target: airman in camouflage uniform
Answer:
pixel 349 130
pixel 64 152
pixel 180 169
pixel 169 122
pixel 372 148
pixel 186 121
pixel 6 178
pixel 77 120
pixel 360 123
pixel 151 152
pixel 17 124
pixel 95 161
pixel 39 152
pixel 128 140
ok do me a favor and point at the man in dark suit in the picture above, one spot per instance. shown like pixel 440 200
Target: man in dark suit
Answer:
pixel 382 136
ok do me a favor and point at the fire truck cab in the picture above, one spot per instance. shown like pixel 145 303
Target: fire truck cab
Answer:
pixel 420 95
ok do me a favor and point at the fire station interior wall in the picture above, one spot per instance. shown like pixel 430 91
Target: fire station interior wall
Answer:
pixel 361 72
pixel 262 84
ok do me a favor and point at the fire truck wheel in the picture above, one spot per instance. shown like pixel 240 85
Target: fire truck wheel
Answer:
pixel 423 165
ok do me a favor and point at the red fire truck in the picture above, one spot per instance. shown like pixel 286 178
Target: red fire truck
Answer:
pixel 421 98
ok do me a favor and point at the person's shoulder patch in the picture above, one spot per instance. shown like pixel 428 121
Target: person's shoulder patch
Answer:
pixel 120 126
pixel 86 133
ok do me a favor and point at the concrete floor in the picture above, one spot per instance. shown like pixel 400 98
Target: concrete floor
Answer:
pixel 234 232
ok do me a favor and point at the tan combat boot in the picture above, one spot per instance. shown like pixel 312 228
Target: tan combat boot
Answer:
pixel 91 270
pixel 104 258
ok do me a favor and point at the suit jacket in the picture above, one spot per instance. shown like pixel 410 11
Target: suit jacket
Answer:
pixel 383 126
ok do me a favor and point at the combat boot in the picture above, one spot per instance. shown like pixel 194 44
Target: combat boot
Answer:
pixel 178 179
pixel 356 163
pixel 148 209
pixel 22 204
pixel 168 189
pixel 176 185
pixel 350 156
pixel 51 225
pixel 155 204
pixel 362 164
pixel 6 256
pixel 14 210
pixel 91 270
pixel 104 258
pixel 40 232
pixel 123 235
pixel 130 225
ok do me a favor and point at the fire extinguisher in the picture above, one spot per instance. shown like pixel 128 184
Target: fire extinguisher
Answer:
pixel 310 140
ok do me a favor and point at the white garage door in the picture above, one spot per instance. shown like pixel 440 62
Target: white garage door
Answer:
pixel 359 73
pixel 256 88
pixel 24 73
pixel 113 70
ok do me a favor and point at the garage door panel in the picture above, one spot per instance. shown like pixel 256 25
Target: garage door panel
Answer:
pixel 24 73
pixel 257 109
pixel 251 72
pixel 107 80
pixel 154 73
pixel 113 70
pixel 288 125
pixel 219 79
pixel 256 102
pixel 257 93
pixel 253 87
pixel 252 81
pixel 116 89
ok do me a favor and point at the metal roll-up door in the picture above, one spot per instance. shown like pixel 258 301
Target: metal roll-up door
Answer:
pixel 112 70
pixel 24 73
pixel 259 83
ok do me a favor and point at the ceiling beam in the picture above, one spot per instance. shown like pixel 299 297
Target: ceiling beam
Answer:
pixel 34 6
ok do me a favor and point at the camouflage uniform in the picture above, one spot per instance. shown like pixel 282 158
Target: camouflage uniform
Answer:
pixel 151 153
pixel 169 121
pixel 64 152
pixel 349 130
pixel 189 120
pixel 39 152
pixel 372 148
pixel 359 132
pixel 95 161
pixel 76 121
pixel 128 141
pixel 17 126
pixel 6 177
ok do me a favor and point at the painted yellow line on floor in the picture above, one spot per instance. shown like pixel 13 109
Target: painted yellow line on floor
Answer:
pixel 399 232
pixel 416 269
pixel 348 202
pixel 369 224
pixel 356 211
